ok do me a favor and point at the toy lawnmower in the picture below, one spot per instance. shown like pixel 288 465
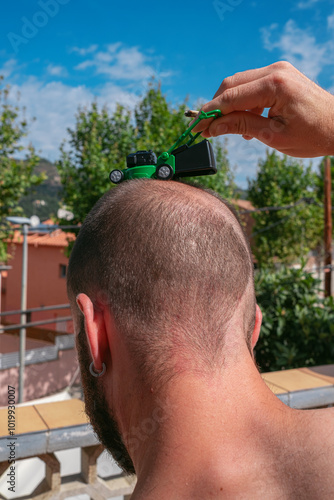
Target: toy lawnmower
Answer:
pixel 181 160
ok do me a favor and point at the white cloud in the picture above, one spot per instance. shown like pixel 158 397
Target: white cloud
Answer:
pixel 306 4
pixel 54 106
pixel 112 47
pixel 8 68
pixel 244 157
pixel 104 57
pixel 56 70
pixel 84 65
pixel 330 22
pixel 299 47
pixel 120 63
pixel 85 51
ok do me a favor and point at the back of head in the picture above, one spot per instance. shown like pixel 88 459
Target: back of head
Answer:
pixel 173 263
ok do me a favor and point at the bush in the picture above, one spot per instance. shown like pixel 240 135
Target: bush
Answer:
pixel 298 325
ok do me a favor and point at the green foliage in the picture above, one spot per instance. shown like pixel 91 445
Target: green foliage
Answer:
pixel 101 141
pixel 298 325
pixel 16 176
pixel 98 144
pixel 284 235
pixel 157 124
pixel 320 183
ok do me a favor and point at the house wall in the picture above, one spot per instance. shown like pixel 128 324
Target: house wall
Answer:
pixel 40 379
pixel 46 287
pixel 11 343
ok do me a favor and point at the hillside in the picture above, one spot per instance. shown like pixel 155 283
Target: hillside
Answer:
pixel 43 200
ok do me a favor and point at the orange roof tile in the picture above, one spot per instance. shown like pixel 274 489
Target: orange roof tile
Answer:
pixel 57 238
pixel 243 204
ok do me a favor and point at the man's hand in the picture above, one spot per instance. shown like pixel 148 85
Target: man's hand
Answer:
pixel 300 121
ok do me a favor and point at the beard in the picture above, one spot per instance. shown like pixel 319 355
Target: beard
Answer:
pixel 97 408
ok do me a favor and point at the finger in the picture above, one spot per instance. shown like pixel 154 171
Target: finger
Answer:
pixel 248 125
pixel 244 77
pixel 254 74
pixel 204 124
pixel 254 96
pixel 258 94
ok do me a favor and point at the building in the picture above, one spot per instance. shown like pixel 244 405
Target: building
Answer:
pixel 47 265
pixel 50 357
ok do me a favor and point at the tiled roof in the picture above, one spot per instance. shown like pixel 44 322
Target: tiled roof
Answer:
pixel 243 204
pixel 57 238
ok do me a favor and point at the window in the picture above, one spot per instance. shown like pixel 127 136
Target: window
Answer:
pixel 62 270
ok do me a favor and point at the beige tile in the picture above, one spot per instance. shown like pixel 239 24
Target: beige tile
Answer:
pixel 294 380
pixel 27 419
pixel 275 388
pixel 63 413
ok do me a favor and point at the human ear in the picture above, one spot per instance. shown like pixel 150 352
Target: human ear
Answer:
pixel 257 326
pixel 95 330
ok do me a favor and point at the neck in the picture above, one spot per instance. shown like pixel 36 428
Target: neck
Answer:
pixel 207 429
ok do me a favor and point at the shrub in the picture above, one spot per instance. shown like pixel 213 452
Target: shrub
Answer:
pixel 298 324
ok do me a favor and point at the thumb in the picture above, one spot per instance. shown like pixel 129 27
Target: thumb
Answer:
pixel 246 124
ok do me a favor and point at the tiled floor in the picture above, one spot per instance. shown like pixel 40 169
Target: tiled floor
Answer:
pixel 296 380
pixel 43 417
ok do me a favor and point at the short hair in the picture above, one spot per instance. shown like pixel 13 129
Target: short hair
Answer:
pixel 173 263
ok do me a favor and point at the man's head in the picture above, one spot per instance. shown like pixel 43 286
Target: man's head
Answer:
pixel 173 266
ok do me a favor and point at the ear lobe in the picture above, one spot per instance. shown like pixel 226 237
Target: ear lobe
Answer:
pixel 257 326
pixel 95 330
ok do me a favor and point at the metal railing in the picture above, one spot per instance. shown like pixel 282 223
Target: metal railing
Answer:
pixel 35 309
pixel 42 354
pixel 34 323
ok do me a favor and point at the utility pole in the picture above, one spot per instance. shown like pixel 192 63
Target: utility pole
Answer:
pixel 25 223
pixel 23 309
pixel 328 226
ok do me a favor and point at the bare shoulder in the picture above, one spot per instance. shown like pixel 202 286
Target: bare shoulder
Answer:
pixel 317 428
pixel 323 417
pixel 313 456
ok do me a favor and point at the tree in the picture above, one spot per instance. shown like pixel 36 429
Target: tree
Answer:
pixel 98 144
pixel 320 182
pixel 101 141
pixel 16 176
pixel 157 124
pixel 298 325
pixel 284 235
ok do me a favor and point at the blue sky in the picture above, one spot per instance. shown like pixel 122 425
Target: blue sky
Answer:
pixel 61 54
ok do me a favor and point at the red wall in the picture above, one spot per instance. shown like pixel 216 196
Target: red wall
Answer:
pixel 45 286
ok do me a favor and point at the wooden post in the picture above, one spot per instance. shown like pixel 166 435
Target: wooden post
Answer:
pixel 328 226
